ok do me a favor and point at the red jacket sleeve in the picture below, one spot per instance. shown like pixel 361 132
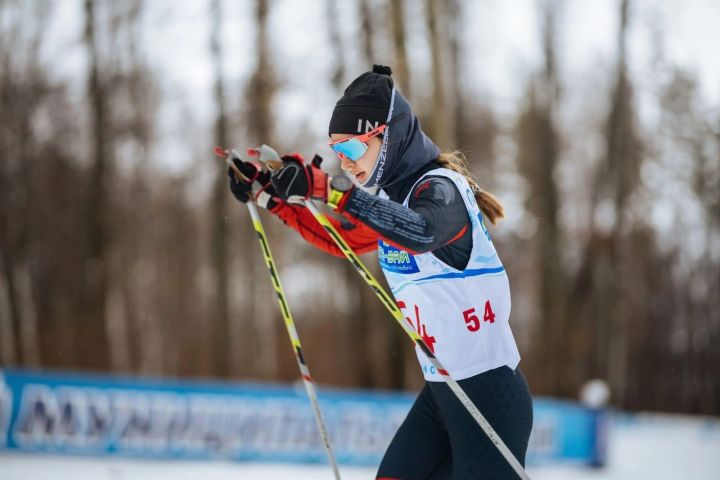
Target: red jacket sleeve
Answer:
pixel 360 238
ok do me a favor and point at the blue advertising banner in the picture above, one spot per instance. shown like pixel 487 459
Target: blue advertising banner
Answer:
pixel 98 415
pixel 568 432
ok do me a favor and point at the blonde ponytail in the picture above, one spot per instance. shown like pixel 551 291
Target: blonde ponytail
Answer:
pixel 488 203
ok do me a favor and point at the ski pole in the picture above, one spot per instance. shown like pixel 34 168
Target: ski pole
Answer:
pixel 390 304
pixel 287 316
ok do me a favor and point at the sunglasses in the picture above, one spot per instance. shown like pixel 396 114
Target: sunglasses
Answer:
pixel 355 147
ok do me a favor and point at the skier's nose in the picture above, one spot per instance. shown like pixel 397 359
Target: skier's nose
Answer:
pixel 345 163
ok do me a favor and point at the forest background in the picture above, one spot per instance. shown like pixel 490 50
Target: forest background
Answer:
pixel 597 124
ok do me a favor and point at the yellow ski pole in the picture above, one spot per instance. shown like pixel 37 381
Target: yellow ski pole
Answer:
pixel 287 316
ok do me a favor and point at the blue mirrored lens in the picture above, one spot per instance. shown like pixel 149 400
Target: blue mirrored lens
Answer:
pixel 353 148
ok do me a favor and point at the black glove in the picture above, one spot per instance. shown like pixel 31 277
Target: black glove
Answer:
pixel 295 181
pixel 256 184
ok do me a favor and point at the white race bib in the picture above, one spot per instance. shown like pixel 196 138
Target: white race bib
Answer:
pixel 462 315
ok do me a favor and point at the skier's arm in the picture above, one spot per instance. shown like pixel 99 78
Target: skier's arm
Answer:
pixel 436 215
pixel 359 237
pixel 255 184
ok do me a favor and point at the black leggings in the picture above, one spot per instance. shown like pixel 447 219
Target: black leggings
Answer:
pixel 440 440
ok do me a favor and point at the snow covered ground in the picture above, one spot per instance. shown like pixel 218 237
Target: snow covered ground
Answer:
pixel 657 447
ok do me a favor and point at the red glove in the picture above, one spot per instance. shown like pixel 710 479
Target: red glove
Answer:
pixel 252 183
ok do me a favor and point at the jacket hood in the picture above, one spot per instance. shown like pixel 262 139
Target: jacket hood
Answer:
pixel 405 148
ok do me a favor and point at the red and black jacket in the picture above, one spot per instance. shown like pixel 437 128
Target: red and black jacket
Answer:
pixel 435 220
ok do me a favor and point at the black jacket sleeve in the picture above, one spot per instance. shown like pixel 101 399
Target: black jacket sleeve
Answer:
pixel 436 219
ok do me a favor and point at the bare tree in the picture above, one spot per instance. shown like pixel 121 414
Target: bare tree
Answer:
pixel 367 31
pixel 690 153
pixel 263 84
pixel 537 159
pixel 24 87
pixel 259 114
pixel 135 327
pixel 401 71
pixel 440 125
pixel 453 28
pixel 616 176
pixel 219 249
pixel 92 340
pixel 338 75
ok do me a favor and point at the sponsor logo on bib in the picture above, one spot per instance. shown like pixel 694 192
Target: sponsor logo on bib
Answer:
pixel 395 260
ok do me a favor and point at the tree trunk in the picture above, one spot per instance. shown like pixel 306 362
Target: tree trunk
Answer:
pixel 538 157
pixel 220 317
pixel 400 66
pixel 338 75
pixel 261 307
pixel 92 342
pixel 440 128
pixel 367 31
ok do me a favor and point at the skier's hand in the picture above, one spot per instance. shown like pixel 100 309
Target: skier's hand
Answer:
pixel 295 181
pixel 256 184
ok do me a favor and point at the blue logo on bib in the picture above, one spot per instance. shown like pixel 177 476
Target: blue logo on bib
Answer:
pixel 395 260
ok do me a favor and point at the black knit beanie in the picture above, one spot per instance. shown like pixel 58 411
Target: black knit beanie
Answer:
pixel 365 103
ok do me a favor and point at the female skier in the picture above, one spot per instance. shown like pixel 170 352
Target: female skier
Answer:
pixel 426 220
